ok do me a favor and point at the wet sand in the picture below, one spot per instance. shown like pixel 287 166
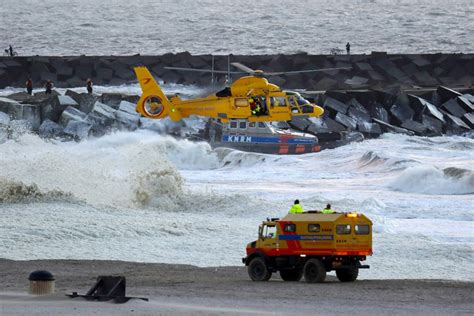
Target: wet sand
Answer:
pixel 183 289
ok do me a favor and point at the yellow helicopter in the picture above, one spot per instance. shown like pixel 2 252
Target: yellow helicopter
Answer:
pixel 251 97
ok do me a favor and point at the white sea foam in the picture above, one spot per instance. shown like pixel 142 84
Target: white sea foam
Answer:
pixel 431 180
pixel 135 196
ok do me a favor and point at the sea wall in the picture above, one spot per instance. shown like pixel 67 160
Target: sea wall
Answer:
pixel 377 70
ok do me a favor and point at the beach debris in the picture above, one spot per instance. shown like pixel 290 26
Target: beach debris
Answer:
pixel 108 288
pixel 41 282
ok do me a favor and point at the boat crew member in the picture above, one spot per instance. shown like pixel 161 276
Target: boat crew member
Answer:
pixel 327 210
pixel 296 208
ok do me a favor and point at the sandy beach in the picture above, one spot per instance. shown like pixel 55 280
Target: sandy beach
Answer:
pixel 183 289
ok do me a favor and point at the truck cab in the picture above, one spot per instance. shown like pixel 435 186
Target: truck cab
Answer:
pixel 310 245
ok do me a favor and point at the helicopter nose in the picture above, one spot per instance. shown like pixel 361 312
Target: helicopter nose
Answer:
pixel 317 110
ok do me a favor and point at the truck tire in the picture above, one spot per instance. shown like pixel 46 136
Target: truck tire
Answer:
pixel 258 270
pixel 347 275
pixel 314 271
pixel 291 274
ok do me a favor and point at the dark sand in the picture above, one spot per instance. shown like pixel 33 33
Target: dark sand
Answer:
pixel 182 289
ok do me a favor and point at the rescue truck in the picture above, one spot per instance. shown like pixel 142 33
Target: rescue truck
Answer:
pixel 310 244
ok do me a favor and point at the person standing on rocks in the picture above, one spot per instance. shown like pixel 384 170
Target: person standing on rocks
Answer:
pixel 29 86
pixel 49 87
pixel 89 86
pixel 348 48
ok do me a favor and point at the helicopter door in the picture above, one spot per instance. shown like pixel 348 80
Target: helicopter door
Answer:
pixel 295 108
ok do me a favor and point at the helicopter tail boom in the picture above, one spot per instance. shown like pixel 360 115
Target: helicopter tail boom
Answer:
pixel 153 103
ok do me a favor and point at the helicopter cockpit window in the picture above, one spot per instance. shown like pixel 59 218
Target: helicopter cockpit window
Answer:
pixel 304 104
pixel 302 101
pixel 233 124
pixel 293 104
pixel 277 101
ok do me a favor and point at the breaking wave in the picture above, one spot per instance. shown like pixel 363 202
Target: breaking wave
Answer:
pixel 431 180
pixel 18 192
pixel 119 170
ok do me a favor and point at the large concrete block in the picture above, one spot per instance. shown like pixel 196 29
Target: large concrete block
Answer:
pixel 447 93
pixel 50 129
pixel 425 79
pixel 78 130
pixel 74 95
pixel 401 113
pixel 27 112
pixel 334 126
pixel 127 121
pixel 128 107
pixel 357 81
pixel 335 105
pixel 83 71
pixel 455 122
pixel 71 114
pixel 6 103
pixel 453 108
pixel 353 103
pixel 102 117
pixel 369 129
pixel 468 118
pixel 359 116
pixel 415 126
pixel 111 99
pixel 465 103
pixel 105 74
pixel 425 107
pixel 347 121
pixel 389 128
pixel 419 60
pixel 87 102
pixel 434 125
pixel 379 112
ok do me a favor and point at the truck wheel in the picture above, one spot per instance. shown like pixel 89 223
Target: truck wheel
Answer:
pixel 314 271
pixel 347 275
pixel 291 274
pixel 258 270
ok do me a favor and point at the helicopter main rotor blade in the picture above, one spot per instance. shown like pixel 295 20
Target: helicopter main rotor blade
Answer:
pixel 205 70
pixel 295 72
pixel 243 68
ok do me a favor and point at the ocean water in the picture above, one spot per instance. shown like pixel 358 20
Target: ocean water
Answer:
pixel 121 27
pixel 140 196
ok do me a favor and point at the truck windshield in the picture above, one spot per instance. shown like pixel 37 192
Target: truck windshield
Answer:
pixel 269 231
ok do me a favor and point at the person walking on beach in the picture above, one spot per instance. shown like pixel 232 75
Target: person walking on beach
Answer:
pixel 89 86
pixel 327 210
pixel 29 86
pixel 49 87
pixel 348 48
pixel 296 208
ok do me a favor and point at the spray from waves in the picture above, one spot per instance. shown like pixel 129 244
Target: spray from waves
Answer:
pixel 18 192
pixel 160 188
pixel 118 170
pixel 236 158
pixel 431 180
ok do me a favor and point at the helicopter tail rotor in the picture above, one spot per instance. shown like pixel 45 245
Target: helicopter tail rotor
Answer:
pixel 153 103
